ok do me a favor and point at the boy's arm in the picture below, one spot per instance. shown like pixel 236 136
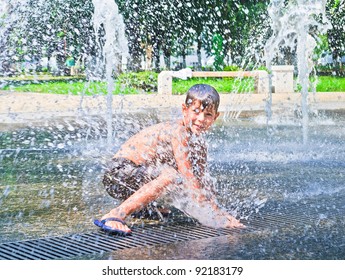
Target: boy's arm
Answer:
pixel 181 151
pixel 221 216
pixel 225 219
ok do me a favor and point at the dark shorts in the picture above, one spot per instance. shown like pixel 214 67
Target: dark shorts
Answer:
pixel 123 177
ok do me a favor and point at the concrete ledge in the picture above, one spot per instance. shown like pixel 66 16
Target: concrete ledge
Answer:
pixel 17 106
pixel 165 78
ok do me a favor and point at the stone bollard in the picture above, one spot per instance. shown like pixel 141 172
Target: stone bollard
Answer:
pixel 165 82
pixel 262 83
pixel 165 79
pixel 282 79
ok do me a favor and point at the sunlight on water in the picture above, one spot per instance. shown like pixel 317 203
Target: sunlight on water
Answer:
pixel 51 169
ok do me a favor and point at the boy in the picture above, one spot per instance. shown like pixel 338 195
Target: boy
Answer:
pixel 166 159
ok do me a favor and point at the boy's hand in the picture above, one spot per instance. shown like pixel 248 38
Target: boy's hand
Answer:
pixel 233 223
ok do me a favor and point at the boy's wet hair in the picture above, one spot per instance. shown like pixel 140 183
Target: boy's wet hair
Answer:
pixel 206 94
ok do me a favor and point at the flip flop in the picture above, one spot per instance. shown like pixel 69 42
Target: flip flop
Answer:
pixel 102 225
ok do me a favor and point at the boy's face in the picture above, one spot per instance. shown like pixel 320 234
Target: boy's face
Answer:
pixel 197 118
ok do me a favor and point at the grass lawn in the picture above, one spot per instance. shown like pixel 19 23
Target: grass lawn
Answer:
pixel 134 83
pixel 222 85
pixel 74 88
pixel 126 86
pixel 330 84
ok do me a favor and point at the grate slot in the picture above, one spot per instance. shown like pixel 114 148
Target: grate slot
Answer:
pixel 157 235
pixel 79 245
pixel 147 239
pixel 46 248
pixel 106 243
pixel 277 220
pixel 216 232
pixel 120 244
pixel 160 236
pixel 49 247
pixel 211 232
pixel 5 256
pixel 70 248
pixel 139 240
pixel 120 241
pixel 143 240
pixel 58 246
pixel 34 252
pixel 190 235
pixel 168 237
pixel 205 232
pixel 16 254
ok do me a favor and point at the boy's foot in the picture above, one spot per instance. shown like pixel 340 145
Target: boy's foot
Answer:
pixel 113 225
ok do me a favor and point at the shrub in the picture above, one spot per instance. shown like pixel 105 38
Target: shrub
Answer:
pixel 145 80
pixel 231 68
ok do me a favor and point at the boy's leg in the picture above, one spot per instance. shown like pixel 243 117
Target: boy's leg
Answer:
pixel 146 194
pixel 122 178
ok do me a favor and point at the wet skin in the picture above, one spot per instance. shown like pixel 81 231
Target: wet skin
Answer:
pixel 170 145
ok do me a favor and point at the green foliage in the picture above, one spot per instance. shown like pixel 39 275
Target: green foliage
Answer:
pixel 146 82
pixel 126 83
pixel 330 84
pixel 335 10
pixel 222 85
pixel 143 81
pixel 39 28
pixel 217 51
pixel 73 88
pixel 207 68
pixel 231 68
pixel 322 45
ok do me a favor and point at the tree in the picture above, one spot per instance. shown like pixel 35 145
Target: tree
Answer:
pixel 184 33
pixel 335 10
pixel 132 11
pixel 43 27
pixel 199 16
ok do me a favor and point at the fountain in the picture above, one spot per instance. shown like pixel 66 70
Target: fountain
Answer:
pixel 295 26
pixel 106 15
pixel 290 195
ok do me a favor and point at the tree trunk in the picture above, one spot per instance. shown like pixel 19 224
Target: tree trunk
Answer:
pixel 184 61
pixel 134 60
pixel 156 58
pixel 167 61
pixel 135 51
pixel 148 57
pixel 198 51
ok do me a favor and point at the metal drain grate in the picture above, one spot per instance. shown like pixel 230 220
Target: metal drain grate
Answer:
pixel 71 246
pixel 78 245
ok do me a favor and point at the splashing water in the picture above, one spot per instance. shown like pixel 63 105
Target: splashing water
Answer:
pixel 51 174
pixel 295 27
pixel 106 16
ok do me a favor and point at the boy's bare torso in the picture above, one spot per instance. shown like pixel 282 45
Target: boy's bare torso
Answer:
pixel 166 143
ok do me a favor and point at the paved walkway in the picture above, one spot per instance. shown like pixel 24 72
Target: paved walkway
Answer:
pixel 19 107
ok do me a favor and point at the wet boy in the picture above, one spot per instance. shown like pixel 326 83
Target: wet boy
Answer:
pixel 166 159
